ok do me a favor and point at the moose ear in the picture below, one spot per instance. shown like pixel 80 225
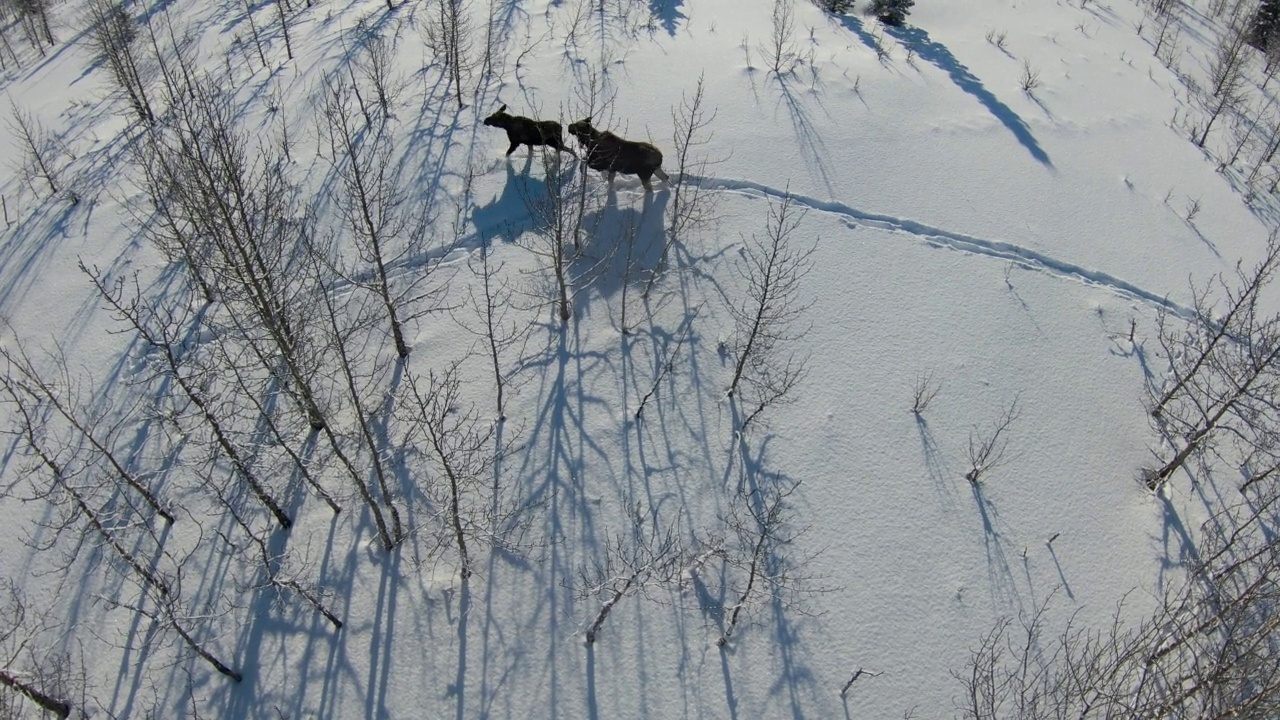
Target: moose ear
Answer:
pixel 588 120
pixel 503 108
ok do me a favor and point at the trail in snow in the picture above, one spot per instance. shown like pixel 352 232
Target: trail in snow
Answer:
pixel 510 225
pixel 961 242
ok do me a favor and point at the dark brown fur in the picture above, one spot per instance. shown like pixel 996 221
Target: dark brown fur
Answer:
pixel 611 154
pixel 524 131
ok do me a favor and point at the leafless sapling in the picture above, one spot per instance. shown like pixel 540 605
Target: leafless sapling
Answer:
pixel 163 330
pixel 762 564
pixel 691 204
pixel 988 449
pixel 71 481
pixel 769 318
pixel 235 195
pixel 666 359
pixel 272 569
pixel 114 37
pixel 458 448
pixel 926 388
pixel 558 216
pixel 498 324
pixel 345 324
pixel 1207 649
pixel 448 34
pixel 33 15
pixel 283 17
pixel 253 32
pixel 781 53
pixel 38 147
pixel 1202 341
pixel 23 657
pixel 386 231
pixel 646 558
pixel 1225 370
pixel 1029 80
pixel 1226 77
pixel 59 395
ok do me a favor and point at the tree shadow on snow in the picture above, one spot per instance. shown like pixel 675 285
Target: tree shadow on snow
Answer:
pixel 934 52
pixel 667 13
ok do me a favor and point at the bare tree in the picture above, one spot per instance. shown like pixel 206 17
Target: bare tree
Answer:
pixel 33 15
pixel 1209 332
pixel 374 206
pixel 376 68
pixel 56 393
pixel 448 35
pixel 71 483
pixel 253 32
pixel 284 27
pixel 1226 77
pixel 780 52
pixel 162 330
pixel 691 203
pixel 37 145
pixel 273 569
pixel 232 196
pixel 113 36
pixel 498 326
pixel 1226 371
pixel 761 563
pixel 649 557
pixel 345 324
pixel 558 217
pixel 21 625
pixel 926 388
pixel 767 321
pixel 988 449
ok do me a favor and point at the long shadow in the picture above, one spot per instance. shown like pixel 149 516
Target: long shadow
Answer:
pixel 460 679
pixel 934 52
pixel 933 460
pixel 999 574
pixel 1061 575
pixel 811 142
pixel 730 699
pixel 593 709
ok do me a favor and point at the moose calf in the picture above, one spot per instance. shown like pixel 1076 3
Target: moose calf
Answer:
pixel 524 131
pixel 609 153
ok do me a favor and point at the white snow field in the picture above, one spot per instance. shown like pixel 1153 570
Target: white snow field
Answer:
pixel 1010 248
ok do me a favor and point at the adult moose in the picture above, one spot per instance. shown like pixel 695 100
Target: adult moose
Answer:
pixel 525 131
pixel 609 153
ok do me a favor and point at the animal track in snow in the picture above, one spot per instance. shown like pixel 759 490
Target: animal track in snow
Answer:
pixel 961 242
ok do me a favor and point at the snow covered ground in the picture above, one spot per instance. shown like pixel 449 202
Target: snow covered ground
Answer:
pixel 1014 246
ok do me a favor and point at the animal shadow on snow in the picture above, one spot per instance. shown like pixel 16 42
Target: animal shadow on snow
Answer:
pixel 507 216
pixel 626 231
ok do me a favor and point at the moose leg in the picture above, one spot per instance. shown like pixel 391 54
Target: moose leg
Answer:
pixel 512 149
pixel 612 174
pixel 644 180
